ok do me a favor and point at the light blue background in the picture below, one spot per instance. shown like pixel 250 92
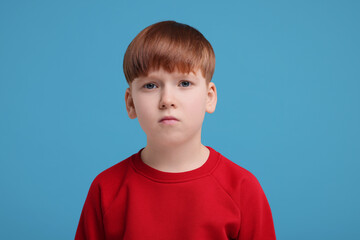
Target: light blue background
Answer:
pixel 287 75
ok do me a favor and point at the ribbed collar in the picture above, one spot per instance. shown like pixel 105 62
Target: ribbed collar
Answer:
pixel 170 177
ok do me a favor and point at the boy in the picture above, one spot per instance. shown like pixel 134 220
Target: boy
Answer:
pixel 175 187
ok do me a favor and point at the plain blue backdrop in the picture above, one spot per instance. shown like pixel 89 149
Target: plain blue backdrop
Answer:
pixel 287 74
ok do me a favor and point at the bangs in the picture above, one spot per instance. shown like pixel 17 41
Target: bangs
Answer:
pixel 169 45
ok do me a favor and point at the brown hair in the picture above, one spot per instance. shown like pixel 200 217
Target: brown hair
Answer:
pixel 172 46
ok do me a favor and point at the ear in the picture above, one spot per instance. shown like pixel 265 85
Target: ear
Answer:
pixel 130 107
pixel 211 98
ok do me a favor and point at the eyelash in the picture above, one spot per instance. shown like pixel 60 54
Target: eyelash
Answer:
pixel 186 82
pixel 145 86
pixel 153 84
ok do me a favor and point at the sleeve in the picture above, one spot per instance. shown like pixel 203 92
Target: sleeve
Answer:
pixel 256 218
pixel 91 220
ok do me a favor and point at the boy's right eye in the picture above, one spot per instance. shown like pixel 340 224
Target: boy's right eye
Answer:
pixel 149 85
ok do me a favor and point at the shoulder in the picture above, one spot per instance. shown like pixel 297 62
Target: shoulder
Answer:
pixel 111 177
pixel 245 190
pixel 236 180
pixel 228 170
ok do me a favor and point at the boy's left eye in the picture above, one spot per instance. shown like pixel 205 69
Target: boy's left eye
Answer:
pixel 149 86
pixel 185 84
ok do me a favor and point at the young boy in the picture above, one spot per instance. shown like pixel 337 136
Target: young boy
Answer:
pixel 175 187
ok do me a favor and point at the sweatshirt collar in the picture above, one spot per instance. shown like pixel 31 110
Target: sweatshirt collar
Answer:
pixel 160 176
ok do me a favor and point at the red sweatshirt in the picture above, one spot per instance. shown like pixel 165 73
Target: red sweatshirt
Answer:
pixel 219 200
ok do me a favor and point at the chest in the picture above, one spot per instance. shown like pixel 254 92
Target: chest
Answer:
pixel 191 210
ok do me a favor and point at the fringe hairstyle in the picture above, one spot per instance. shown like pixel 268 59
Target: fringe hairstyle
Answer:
pixel 171 45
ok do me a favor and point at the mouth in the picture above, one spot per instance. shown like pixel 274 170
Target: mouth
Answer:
pixel 168 120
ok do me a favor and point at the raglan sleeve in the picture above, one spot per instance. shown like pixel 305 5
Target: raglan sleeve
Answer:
pixel 91 219
pixel 256 217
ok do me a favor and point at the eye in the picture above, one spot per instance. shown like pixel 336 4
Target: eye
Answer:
pixel 185 84
pixel 149 86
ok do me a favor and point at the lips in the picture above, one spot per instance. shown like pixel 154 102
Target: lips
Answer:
pixel 169 120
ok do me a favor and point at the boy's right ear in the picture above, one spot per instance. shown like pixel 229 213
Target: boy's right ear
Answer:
pixel 130 107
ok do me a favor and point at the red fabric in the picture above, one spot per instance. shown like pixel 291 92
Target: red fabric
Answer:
pixel 219 200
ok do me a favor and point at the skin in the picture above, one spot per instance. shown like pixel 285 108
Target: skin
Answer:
pixel 172 146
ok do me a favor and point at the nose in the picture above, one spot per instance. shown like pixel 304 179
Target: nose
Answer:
pixel 167 99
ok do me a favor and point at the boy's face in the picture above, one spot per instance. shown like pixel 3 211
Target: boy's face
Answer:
pixel 171 107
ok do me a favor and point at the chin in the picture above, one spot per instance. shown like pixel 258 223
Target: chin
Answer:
pixel 170 141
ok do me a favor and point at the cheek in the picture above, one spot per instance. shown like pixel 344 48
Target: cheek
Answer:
pixel 196 105
pixel 144 108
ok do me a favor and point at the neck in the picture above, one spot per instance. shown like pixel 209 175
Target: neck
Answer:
pixel 179 158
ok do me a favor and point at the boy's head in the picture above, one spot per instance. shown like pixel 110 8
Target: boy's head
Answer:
pixel 169 67
pixel 169 45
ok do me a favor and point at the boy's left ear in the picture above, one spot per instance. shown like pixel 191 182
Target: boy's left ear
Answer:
pixel 211 98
